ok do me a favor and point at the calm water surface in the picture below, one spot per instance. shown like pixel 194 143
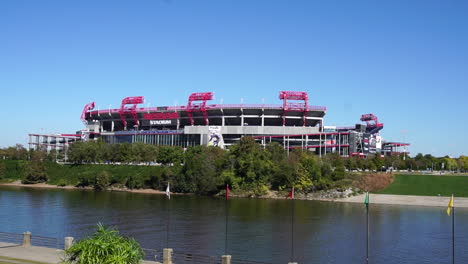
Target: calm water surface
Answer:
pixel 258 229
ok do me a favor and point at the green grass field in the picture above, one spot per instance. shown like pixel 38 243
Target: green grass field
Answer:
pixel 428 185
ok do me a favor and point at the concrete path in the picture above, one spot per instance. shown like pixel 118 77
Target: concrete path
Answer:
pixel 38 254
pixel 407 200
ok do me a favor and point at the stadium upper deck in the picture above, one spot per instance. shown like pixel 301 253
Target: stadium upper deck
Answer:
pixel 293 124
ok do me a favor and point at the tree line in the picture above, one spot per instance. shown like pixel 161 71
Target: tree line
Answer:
pixel 246 166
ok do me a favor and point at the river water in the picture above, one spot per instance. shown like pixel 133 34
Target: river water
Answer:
pixel 258 229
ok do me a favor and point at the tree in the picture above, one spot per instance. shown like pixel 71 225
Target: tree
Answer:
pixel 76 152
pixel 170 155
pixel 102 181
pixel 202 170
pixel 2 170
pixel 450 164
pixel 463 163
pixel 34 172
pixel 252 164
pixel 339 172
pixel 105 246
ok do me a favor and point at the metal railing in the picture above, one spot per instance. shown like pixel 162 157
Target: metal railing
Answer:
pixel 149 254
pixel 239 261
pixel 50 242
pixel 11 238
pixel 152 254
pixel 194 259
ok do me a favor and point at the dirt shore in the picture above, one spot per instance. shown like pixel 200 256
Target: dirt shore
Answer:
pixel 436 201
pixel 49 186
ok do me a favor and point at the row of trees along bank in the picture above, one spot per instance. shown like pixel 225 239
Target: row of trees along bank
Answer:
pixel 246 167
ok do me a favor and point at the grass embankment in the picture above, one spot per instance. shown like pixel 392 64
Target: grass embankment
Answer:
pixel 72 174
pixel 428 185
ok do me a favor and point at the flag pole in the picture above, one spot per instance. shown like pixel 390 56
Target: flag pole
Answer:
pixel 453 235
pixel 292 226
pixel 366 202
pixel 168 220
pixel 367 234
pixel 227 219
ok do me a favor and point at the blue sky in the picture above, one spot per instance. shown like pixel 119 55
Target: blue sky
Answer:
pixel 405 61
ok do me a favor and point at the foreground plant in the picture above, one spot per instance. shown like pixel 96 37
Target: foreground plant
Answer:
pixel 105 246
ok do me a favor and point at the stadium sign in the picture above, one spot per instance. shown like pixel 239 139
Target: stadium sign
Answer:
pixel 161 115
pixel 165 122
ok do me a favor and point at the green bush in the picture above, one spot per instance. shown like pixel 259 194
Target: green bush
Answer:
pixel 34 172
pixel 2 170
pixel 102 181
pixel 339 173
pixel 85 179
pixel 105 246
pixel 134 182
pixel 62 182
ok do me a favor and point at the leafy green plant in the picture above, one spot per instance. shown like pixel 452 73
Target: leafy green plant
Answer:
pixel 102 181
pixel 2 170
pixel 61 182
pixel 105 246
pixel 134 182
pixel 34 172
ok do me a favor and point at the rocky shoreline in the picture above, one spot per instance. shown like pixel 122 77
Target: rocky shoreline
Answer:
pixel 329 195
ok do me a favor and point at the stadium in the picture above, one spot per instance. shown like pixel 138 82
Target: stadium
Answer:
pixel 293 124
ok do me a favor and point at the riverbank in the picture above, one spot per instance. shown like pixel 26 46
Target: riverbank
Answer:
pixel 112 189
pixel 414 200
pixel 329 195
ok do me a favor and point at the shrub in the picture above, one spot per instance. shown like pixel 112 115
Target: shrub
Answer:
pixel 105 246
pixel 339 173
pixel 102 181
pixel 34 172
pixel 61 182
pixel 2 170
pixel 134 182
pixel 85 179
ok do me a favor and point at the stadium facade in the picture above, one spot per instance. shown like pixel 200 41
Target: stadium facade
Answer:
pixel 293 124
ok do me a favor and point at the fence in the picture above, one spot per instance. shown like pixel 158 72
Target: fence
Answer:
pixel 166 256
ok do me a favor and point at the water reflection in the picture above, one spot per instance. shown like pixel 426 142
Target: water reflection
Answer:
pixel 258 229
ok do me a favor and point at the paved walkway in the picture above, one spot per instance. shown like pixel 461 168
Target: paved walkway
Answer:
pixel 407 200
pixel 24 255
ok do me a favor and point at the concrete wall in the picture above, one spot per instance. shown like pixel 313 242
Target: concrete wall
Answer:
pixel 254 130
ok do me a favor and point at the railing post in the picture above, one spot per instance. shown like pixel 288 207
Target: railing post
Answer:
pixel 68 242
pixel 26 239
pixel 226 259
pixel 167 256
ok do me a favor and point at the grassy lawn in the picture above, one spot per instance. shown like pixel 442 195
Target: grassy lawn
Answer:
pixel 428 185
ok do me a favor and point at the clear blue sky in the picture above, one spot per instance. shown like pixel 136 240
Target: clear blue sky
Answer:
pixel 405 61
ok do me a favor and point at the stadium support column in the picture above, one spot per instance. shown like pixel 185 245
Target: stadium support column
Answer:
pixel 223 121
pixel 339 144
pixel 242 117
pixel 320 144
pixel 325 145
pixel 263 117
pixel 112 125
